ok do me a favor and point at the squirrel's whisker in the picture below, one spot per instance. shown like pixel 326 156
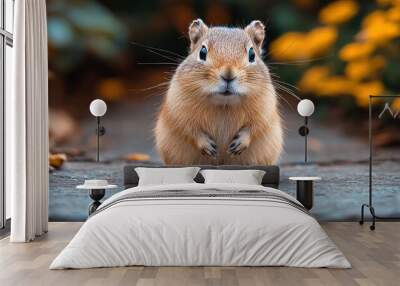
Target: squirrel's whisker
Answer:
pixel 158 49
pixel 288 84
pixel 151 87
pixel 287 90
pixel 164 56
pixel 159 63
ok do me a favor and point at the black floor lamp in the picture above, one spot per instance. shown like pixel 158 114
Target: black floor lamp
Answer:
pixel 370 205
pixel 98 108
pixel 305 108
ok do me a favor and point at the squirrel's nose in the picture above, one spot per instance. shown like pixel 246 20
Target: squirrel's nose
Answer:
pixel 228 78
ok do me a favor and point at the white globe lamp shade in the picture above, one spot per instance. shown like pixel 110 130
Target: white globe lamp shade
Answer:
pixel 305 107
pixel 98 107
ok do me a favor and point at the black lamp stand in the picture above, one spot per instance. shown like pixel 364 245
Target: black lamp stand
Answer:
pixel 369 205
pixel 96 195
pixel 100 131
pixel 303 131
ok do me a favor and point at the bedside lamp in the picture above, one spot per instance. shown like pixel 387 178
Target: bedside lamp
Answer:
pixel 305 108
pixel 98 108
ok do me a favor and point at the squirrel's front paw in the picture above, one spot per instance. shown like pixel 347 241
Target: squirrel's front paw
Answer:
pixel 207 145
pixel 240 142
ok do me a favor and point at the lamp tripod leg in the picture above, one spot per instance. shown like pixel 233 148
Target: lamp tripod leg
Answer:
pixel 362 214
pixel 372 211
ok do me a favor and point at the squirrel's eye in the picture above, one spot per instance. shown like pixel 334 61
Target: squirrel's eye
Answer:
pixel 252 55
pixel 203 53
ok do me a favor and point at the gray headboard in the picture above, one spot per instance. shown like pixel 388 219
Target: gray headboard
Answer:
pixel 271 177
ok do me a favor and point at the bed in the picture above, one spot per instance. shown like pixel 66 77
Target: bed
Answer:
pixel 198 224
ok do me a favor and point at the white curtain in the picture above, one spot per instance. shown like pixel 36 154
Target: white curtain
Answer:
pixel 27 124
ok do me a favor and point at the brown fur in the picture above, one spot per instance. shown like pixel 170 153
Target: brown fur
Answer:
pixel 189 115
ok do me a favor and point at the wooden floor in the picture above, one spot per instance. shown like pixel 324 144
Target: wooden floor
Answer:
pixel 375 257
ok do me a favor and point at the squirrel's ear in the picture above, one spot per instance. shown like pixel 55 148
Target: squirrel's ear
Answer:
pixel 256 31
pixel 197 30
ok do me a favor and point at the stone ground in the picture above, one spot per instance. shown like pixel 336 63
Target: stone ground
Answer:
pixel 341 161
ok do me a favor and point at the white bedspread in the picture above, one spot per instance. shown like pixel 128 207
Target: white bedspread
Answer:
pixel 191 231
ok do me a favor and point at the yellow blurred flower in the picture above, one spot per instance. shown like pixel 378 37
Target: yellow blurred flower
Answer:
pixel 338 12
pixel 320 40
pixel 393 14
pixel 381 33
pixel 374 17
pixel 312 78
pixel 355 51
pixel 384 2
pixel 396 104
pixel 362 91
pixel 377 28
pixel 358 70
pixel 297 46
pixel 335 85
pixel 317 80
pixel 364 68
pixel 361 76
pixel 289 46
pixel 388 2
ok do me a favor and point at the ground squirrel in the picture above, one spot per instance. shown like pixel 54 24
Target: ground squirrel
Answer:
pixel 221 105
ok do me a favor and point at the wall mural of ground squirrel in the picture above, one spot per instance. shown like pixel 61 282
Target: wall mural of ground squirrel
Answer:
pixel 221 105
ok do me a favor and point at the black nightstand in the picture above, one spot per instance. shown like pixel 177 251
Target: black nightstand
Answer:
pixel 305 190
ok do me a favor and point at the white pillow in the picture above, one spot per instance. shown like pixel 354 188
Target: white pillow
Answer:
pixel 248 177
pixel 163 176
